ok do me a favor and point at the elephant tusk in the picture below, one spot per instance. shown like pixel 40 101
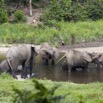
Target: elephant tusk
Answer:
pixel 60 59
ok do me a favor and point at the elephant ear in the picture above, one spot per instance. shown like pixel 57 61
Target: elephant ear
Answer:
pixel 100 57
pixel 87 56
pixel 34 50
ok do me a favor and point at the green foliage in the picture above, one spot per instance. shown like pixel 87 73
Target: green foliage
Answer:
pixel 74 11
pixel 19 16
pixel 95 9
pixel 40 94
pixel 77 93
pixel 3 16
pixel 3 12
pixel 57 10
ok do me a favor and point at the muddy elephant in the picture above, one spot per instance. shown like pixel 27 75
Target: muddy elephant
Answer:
pixel 98 59
pixel 48 53
pixel 4 67
pixel 75 59
pixel 21 55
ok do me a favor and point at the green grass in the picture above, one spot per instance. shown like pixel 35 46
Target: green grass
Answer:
pixel 23 33
pixel 76 93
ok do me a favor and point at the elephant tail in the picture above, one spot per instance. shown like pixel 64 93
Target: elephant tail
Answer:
pixel 60 59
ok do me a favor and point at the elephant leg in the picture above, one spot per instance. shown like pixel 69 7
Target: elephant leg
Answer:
pixel 69 68
pixel 53 62
pixel 23 71
pixel 31 66
pixel 13 74
pixel 46 62
pixel 85 67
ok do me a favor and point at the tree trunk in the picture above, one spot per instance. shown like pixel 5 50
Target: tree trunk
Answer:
pixel 30 5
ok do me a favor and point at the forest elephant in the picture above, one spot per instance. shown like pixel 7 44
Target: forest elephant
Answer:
pixel 48 53
pixel 21 55
pixel 98 59
pixel 4 67
pixel 75 59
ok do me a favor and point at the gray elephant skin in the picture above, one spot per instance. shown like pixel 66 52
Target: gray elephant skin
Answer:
pixel 21 55
pixel 75 59
pixel 4 67
pixel 48 53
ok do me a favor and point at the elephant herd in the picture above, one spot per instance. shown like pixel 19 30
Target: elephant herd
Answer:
pixel 23 57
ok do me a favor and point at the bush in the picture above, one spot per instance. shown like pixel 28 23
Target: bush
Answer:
pixel 40 94
pixel 19 16
pixel 57 10
pixel 76 12
pixel 95 9
pixel 73 11
pixel 3 12
pixel 3 16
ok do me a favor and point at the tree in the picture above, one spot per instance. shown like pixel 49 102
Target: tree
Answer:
pixel 30 6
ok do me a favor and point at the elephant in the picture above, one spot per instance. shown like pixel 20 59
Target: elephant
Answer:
pixel 21 55
pixel 75 59
pixel 48 53
pixel 4 67
pixel 98 59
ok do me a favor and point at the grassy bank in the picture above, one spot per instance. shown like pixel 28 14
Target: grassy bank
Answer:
pixel 23 33
pixel 77 93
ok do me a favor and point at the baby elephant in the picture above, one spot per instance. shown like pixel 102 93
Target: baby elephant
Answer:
pixel 4 67
pixel 75 59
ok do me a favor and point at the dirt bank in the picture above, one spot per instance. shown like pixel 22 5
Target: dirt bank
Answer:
pixel 94 46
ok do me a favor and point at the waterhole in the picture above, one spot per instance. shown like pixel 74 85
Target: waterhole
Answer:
pixel 56 73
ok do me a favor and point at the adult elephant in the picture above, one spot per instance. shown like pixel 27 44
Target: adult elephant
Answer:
pixel 75 59
pixel 48 53
pixel 21 55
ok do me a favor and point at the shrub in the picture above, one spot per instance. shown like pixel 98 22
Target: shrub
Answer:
pixel 19 16
pixel 40 94
pixel 3 16
pixel 76 12
pixel 95 9
pixel 3 12
pixel 73 11
pixel 57 10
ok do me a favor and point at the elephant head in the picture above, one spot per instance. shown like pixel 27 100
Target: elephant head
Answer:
pixel 48 53
pixel 98 59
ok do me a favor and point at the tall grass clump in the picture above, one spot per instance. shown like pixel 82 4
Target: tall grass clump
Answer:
pixel 19 16
pixel 40 94
pixel 67 31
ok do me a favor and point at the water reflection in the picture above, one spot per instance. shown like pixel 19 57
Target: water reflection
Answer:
pixel 57 74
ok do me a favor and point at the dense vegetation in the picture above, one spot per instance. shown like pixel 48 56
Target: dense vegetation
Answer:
pixel 56 31
pixel 75 93
pixel 68 10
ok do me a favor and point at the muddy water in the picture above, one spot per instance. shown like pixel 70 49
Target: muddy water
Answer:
pixel 56 73
pixel 78 76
